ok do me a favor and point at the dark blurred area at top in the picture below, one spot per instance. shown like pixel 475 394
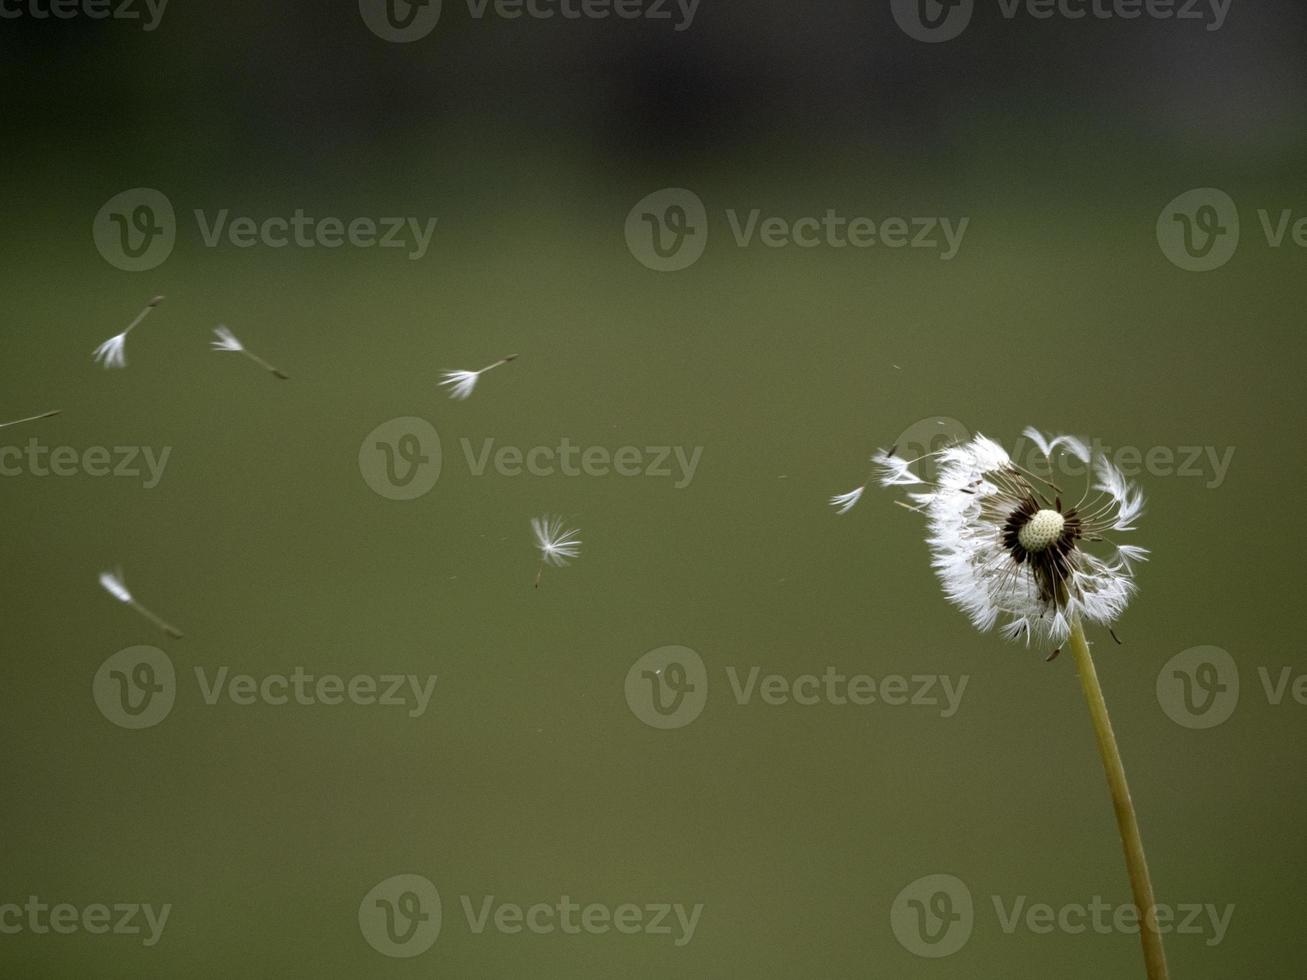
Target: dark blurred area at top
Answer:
pixel 295 84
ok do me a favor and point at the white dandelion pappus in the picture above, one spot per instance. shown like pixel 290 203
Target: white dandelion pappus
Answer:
pixel 895 470
pixel 557 545
pixel 1004 543
pixel 113 583
pixel 843 502
pixel 228 341
pixel 462 383
pixel 113 352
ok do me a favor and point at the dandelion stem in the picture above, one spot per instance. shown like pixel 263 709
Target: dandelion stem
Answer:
pixel 143 314
pixel 30 418
pixel 1127 822
pixel 157 621
pixel 499 363
pixel 264 364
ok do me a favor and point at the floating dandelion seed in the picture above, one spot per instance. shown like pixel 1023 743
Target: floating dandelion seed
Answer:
pixel 112 582
pixel 843 502
pixel 1004 543
pixel 227 341
pixel 113 352
pixel 30 418
pixel 461 383
pixel 557 545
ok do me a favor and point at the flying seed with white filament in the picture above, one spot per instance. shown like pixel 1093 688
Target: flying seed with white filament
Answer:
pixel 461 383
pixel 113 352
pixel 112 582
pixel 227 341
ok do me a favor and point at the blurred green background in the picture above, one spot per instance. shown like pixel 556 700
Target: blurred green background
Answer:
pixel 529 777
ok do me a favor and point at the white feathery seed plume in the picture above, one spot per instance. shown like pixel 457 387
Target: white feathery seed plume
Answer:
pixel 228 341
pixel 843 502
pixel 557 545
pixel 112 582
pixel 113 352
pixel 1005 544
pixel 462 383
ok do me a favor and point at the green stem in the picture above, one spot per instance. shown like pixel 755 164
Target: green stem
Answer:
pixel 1126 821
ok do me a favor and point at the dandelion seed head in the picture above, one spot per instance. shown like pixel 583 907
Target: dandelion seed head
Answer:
pixel 1044 527
pixel 1005 545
